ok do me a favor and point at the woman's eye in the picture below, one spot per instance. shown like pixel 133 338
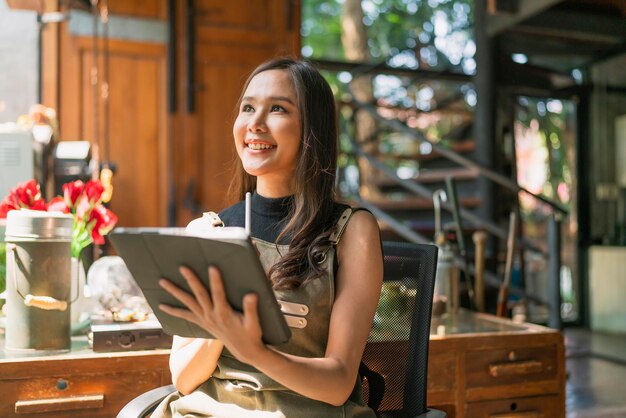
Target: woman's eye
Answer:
pixel 277 108
pixel 247 108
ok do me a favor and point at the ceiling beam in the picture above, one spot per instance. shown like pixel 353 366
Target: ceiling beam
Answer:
pixel 606 55
pixel 576 26
pixel 514 42
pixel 525 9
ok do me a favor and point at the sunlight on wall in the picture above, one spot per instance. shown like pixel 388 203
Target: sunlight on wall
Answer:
pixel 18 62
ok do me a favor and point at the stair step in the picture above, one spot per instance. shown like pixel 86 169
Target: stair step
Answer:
pixel 418 203
pixel 425 230
pixel 463 147
pixel 433 176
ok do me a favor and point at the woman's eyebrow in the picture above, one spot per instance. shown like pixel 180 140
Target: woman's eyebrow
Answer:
pixel 272 98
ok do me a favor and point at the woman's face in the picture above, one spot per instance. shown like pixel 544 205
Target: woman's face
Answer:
pixel 267 129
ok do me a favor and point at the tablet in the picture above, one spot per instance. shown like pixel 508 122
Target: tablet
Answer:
pixel 154 253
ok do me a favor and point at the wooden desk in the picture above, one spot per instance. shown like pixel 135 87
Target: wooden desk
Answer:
pixel 80 383
pixel 479 367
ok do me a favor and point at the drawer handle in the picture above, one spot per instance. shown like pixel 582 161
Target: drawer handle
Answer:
pixel 525 414
pixel 31 406
pixel 515 368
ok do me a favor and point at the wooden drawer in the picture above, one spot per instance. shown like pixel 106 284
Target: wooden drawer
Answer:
pixel 510 366
pixel 533 407
pixel 99 395
pixel 441 372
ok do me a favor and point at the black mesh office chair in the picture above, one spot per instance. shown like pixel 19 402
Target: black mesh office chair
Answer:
pixel 395 362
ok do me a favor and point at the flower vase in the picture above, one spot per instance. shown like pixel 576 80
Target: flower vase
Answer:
pixel 80 307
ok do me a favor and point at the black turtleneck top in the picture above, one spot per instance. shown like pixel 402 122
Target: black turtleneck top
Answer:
pixel 268 216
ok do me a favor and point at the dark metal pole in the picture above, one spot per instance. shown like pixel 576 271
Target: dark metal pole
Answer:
pixel 171 108
pixel 554 271
pixel 484 119
pixel 585 188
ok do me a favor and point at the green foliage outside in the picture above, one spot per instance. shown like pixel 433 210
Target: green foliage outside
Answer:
pixel 417 34
pixel 545 158
pixel 552 121
pixel 432 34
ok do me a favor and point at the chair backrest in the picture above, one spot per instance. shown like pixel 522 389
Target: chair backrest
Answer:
pixel 398 344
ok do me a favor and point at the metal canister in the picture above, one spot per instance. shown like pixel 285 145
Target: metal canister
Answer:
pixel 446 288
pixel 38 280
pixel 443 292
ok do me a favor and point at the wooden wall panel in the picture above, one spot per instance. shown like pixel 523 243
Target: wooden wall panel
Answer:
pixel 231 41
pixel 222 80
pixel 137 122
pixel 154 149
pixel 153 9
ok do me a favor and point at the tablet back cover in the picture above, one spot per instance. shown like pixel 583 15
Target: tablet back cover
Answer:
pixel 151 256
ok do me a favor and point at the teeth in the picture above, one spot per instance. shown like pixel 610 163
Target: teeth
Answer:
pixel 259 146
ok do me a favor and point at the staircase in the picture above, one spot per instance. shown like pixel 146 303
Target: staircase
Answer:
pixel 413 158
pixel 417 212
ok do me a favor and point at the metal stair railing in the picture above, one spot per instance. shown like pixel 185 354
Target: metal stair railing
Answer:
pixel 420 190
pixel 557 210
pixel 498 178
pixel 412 236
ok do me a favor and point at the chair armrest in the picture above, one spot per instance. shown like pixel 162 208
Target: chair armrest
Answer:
pixel 146 402
pixel 432 413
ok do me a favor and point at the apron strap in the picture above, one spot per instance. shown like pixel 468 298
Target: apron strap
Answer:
pixel 340 226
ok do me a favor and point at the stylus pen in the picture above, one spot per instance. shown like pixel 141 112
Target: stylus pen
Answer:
pixel 248 222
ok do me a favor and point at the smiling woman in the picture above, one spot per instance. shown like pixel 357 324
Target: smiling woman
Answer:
pixel 323 258
pixel 267 131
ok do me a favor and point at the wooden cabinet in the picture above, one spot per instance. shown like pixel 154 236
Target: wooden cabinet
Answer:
pixel 479 367
pixel 482 366
pixel 525 407
pixel 80 383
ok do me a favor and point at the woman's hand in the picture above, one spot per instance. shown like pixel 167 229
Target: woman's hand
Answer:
pixel 239 332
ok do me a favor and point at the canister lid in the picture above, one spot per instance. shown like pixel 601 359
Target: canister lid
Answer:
pixel 25 224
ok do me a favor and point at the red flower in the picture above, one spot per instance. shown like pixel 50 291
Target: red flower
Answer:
pixel 91 219
pixel 72 191
pixel 24 195
pixel 58 205
pixel 7 204
pixel 83 208
pixel 93 190
pixel 104 220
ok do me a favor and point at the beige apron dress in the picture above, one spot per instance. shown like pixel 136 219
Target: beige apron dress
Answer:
pixel 238 390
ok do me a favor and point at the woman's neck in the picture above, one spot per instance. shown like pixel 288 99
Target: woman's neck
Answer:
pixel 273 188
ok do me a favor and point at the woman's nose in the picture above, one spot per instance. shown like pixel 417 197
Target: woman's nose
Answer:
pixel 257 123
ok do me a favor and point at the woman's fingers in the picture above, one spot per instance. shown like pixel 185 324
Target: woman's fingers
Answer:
pixel 251 311
pixel 179 313
pixel 198 288
pixel 210 309
pixel 185 298
pixel 218 293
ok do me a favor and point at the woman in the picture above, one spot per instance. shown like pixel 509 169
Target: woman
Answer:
pixel 321 256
